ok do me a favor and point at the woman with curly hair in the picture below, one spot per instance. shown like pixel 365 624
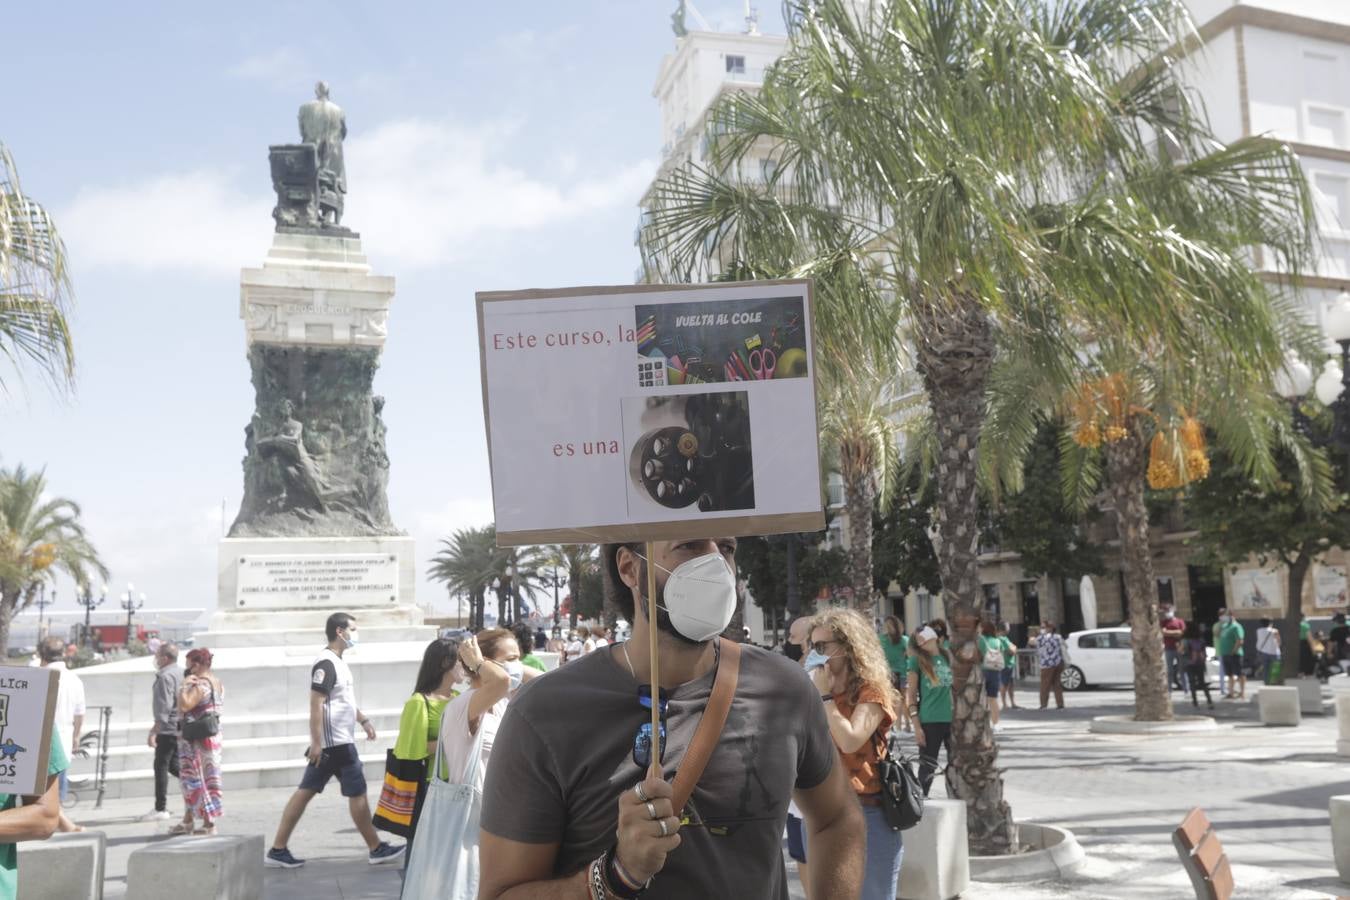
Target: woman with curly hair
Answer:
pixel 847 665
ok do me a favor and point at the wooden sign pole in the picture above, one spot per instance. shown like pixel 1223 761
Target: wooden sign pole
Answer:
pixel 655 769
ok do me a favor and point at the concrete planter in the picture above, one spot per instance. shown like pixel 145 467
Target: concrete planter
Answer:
pixel 1279 705
pixel 1343 724
pixel 1050 853
pixel 1309 695
pixel 1128 725
pixel 1340 835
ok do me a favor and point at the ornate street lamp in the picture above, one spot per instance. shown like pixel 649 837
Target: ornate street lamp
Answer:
pixel 42 602
pixel 557 580
pixel 1335 379
pixel 131 603
pixel 89 602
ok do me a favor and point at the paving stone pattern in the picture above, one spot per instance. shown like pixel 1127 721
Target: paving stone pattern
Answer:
pixel 1266 790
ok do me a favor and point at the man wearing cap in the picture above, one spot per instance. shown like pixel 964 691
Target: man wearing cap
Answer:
pixel 569 807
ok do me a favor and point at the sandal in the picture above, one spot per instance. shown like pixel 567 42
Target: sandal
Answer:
pixel 208 831
pixel 180 828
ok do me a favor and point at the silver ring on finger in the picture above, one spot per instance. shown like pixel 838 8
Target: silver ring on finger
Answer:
pixel 641 794
pixel 665 832
pixel 651 810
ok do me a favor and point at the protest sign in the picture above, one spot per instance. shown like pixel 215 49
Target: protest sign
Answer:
pixel 27 705
pixel 1329 587
pixel 651 412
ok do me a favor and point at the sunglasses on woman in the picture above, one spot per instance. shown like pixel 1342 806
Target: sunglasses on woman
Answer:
pixel 642 741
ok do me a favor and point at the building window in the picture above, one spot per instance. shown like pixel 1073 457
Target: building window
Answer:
pixel 1164 589
pixel 1332 193
pixel 992 604
pixel 924 605
pixel 735 65
pixel 834 535
pixel 834 490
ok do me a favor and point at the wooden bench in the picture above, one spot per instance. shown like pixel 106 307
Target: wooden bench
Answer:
pixel 1203 857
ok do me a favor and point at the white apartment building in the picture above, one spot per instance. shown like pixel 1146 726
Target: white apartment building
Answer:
pixel 1282 68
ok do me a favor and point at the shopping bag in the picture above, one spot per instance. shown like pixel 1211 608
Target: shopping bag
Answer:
pixel 398 795
pixel 444 861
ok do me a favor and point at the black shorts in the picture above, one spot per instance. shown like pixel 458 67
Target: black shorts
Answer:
pixel 796 840
pixel 342 761
pixel 992 677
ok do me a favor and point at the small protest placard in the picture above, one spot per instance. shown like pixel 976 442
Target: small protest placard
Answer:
pixel 651 412
pixel 27 706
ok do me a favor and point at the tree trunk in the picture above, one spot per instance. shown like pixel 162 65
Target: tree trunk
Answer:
pixel 794 593
pixel 955 353
pixel 1127 471
pixel 1291 645
pixel 9 601
pixel 860 496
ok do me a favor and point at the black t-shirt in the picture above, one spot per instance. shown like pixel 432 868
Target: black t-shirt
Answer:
pixel 564 754
pixel 1337 637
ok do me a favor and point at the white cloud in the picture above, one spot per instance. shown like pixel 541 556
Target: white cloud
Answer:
pixel 190 220
pixel 423 192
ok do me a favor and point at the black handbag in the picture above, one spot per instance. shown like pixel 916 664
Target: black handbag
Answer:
pixel 204 726
pixel 901 793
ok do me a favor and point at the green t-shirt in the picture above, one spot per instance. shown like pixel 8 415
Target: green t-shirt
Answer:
pixel 1009 654
pixel 895 653
pixel 1304 629
pixel 534 662
pixel 9 853
pixel 420 722
pixel 985 643
pixel 1230 639
pixel 935 696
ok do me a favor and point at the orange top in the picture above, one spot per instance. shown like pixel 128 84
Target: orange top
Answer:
pixel 861 764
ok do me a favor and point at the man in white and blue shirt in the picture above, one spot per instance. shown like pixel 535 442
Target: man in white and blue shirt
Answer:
pixel 333 717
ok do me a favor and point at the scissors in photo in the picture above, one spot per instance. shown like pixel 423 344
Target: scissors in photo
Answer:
pixel 763 363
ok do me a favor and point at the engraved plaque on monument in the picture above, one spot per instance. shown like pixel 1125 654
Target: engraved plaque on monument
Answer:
pixel 340 580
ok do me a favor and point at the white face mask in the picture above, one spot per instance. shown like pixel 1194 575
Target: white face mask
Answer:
pixel 515 670
pixel 700 596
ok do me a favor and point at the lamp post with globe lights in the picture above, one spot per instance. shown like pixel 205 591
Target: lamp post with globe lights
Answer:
pixel 1332 384
pixel 87 599
pixel 131 602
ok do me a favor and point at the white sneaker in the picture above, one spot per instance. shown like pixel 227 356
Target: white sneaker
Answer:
pixel 155 815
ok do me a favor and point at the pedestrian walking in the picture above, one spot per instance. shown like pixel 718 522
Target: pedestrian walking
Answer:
pixel 1050 655
pixel 1173 628
pixel 69 715
pixel 928 695
pixel 990 647
pixel 895 644
pixel 1231 636
pixel 163 735
pixel 1268 650
pixel 199 704
pixel 1195 655
pixel 333 719
pixel 419 727
pixel 573 805
pixel 1307 659
pixel 853 678
pixel 1008 679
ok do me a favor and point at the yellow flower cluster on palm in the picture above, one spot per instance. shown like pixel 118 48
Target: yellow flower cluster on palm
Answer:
pixel 1164 473
pixel 1100 411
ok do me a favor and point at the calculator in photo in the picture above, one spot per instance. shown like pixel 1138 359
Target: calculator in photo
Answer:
pixel 651 373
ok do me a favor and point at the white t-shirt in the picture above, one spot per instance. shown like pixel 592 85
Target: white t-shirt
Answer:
pixel 1266 642
pixel 69 702
pixel 331 677
pixel 575 649
pixel 456 740
pixel 601 642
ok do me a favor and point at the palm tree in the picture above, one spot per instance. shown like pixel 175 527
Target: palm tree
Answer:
pixel 39 537
pixel 982 158
pixel 580 561
pixel 467 564
pixel 35 288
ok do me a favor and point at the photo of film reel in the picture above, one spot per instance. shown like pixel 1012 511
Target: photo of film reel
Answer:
pixel 706 461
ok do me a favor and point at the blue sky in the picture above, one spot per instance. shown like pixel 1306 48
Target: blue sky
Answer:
pixel 491 146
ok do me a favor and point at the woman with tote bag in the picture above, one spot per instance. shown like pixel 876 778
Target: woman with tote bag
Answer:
pixel 453 806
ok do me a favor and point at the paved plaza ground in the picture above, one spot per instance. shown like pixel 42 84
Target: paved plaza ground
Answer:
pixel 1265 788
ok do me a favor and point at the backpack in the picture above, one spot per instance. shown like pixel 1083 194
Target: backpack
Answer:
pixel 993 658
pixel 901 793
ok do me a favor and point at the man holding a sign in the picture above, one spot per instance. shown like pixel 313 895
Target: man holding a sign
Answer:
pixel 32 757
pixel 583 795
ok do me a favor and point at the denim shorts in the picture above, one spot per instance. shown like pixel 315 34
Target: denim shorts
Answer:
pixel 1006 676
pixel 991 681
pixel 796 840
pixel 342 761
pixel 1232 665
